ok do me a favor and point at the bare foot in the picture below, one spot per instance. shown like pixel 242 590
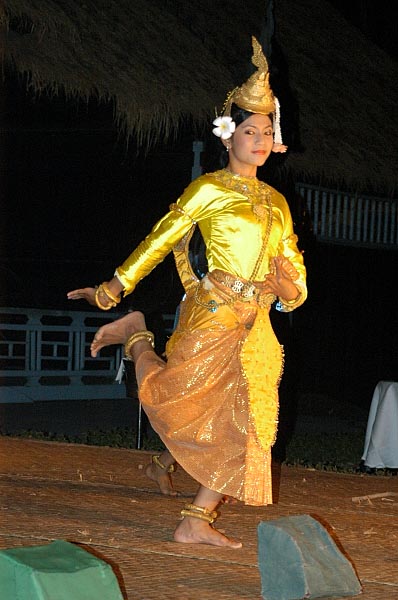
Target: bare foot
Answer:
pixel 162 477
pixel 118 331
pixel 195 531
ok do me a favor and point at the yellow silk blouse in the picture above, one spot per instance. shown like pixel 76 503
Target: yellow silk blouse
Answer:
pixel 233 214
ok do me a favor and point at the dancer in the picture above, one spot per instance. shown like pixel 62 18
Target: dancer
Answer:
pixel 214 402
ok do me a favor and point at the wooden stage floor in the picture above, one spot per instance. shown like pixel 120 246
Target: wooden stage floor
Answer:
pixel 99 497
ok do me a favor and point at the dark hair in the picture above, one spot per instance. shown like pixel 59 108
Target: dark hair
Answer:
pixel 240 114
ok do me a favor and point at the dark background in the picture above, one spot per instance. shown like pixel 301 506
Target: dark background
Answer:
pixel 76 199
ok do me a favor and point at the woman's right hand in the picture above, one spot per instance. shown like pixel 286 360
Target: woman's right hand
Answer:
pixel 87 293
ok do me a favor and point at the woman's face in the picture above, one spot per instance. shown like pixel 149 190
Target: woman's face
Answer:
pixel 250 145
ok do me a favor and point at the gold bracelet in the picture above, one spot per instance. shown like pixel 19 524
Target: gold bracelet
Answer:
pixel 138 337
pixel 98 302
pixel 102 291
pixel 291 302
pixel 107 291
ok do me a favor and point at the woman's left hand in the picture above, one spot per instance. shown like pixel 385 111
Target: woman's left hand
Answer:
pixel 281 280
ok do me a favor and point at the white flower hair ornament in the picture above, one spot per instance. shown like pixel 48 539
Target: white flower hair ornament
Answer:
pixel 224 127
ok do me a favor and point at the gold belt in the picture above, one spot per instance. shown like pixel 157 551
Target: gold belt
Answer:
pixel 246 290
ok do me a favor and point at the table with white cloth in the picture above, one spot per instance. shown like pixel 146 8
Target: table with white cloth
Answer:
pixel 381 439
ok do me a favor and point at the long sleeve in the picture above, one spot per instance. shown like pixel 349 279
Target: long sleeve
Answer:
pixel 288 248
pixel 198 202
pixel 232 231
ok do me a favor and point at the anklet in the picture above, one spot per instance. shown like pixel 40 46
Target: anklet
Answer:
pixel 156 461
pixel 198 512
pixel 138 337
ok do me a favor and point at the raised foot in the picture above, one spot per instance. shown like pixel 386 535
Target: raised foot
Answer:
pixel 195 531
pixel 162 478
pixel 229 500
pixel 117 332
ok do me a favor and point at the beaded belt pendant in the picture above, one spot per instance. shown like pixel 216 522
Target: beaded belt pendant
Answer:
pixel 237 286
pixel 245 290
pixel 248 291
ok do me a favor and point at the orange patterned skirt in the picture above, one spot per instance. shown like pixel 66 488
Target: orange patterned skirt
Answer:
pixel 214 403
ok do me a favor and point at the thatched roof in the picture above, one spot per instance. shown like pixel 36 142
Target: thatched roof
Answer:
pixel 165 63
pixel 155 60
pixel 347 96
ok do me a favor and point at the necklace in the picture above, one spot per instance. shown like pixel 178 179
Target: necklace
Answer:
pixel 256 192
pixel 228 170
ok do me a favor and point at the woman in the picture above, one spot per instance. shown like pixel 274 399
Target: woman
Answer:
pixel 215 402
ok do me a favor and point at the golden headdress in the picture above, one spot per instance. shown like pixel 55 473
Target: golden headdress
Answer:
pixel 255 95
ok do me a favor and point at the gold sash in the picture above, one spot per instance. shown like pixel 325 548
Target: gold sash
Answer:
pixel 261 354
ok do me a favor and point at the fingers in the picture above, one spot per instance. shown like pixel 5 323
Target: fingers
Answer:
pixel 282 276
pixel 87 294
pixel 278 267
pixel 284 267
pixel 73 295
pixel 76 294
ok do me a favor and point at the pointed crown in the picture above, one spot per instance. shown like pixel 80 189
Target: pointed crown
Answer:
pixel 255 95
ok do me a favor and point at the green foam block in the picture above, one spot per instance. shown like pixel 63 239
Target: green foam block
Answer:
pixel 56 571
pixel 299 559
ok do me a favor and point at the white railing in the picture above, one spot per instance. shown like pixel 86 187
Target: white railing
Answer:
pixel 45 355
pixel 339 217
